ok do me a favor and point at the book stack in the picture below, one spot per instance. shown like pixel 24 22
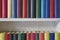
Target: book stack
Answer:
pixel 29 8
pixel 30 35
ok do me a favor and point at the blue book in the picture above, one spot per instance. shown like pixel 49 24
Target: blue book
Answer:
pixel 15 36
pixel 47 8
pixel 14 8
pixel 43 8
pixel 59 8
pixel 56 8
pixel 51 36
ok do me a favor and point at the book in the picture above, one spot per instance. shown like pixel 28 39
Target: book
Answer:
pixel 11 35
pixel 56 8
pixel 43 8
pixel 19 8
pixel 59 8
pixel 9 8
pixel 2 35
pixel 52 36
pixel 27 36
pixel 52 9
pixel 46 36
pixel 41 35
pixel 38 8
pixel 37 36
pixel 47 8
pixel 0 8
pixel 33 9
pixel 4 8
pixel 24 13
pixel 14 8
pixel 28 9
pixel 19 36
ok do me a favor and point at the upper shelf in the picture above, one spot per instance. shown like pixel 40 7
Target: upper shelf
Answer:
pixel 29 19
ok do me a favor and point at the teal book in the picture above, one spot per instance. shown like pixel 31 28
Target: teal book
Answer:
pixel 19 36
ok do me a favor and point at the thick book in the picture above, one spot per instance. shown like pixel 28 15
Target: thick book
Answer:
pixel 52 36
pixel 14 8
pixel 56 3
pixel 46 36
pixel 19 36
pixel 19 8
pixel 38 8
pixel 0 8
pixel 47 8
pixel 9 8
pixel 28 9
pixel 4 8
pixel 41 35
pixel 33 9
pixel 52 9
pixel 2 35
pixel 24 12
pixel 37 36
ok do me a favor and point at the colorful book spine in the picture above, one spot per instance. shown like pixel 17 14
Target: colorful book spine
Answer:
pixel 14 8
pixel 59 8
pixel 4 8
pixel 9 8
pixel 46 36
pixel 2 35
pixel 11 36
pixel 0 8
pixel 52 9
pixel 56 8
pixel 41 36
pixel 19 36
pixel 47 8
pixel 28 8
pixel 38 8
pixel 33 8
pixel 43 8
pixel 24 13
pixel 52 36
pixel 37 36
pixel 19 8
pixel 27 36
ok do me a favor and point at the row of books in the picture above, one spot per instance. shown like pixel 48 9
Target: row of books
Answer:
pixel 29 36
pixel 29 8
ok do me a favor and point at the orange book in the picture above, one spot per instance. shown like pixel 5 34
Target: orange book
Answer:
pixel 27 36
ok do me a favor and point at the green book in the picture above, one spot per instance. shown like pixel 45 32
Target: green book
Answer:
pixel 38 8
pixel 19 36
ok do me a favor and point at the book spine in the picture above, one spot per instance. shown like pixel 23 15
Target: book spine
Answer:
pixel 56 8
pixel 59 8
pixel 51 8
pixel 19 36
pixel 24 15
pixel 38 8
pixel 14 8
pixel 47 8
pixel 28 9
pixel 46 36
pixel 37 36
pixel 11 36
pixel 9 8
pixel 19 8
pixel 27 36
pixel 4 8
pixel 33 8
pixel 43 8
pixel 0 8
pixel 52 36
pixel 15 36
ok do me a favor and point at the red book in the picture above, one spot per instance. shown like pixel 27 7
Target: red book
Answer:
pixel 7 36
pixel 51 8
pixel 41 36
pixel 27 36
pixel 4 8
pixel 24 15
pixel 0 8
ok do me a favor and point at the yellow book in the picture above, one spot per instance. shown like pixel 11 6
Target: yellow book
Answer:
pixel 9 8
pixel 46 36
pixel 2 36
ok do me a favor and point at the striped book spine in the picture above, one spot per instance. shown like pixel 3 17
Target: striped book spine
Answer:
pixel 52 9
pixel 37 36
pixel 9 8
pixel 43 8
pixel 24 13
pixel 14 8
pixel 19 8
pixel 47 8
pixel 33 8
pixel 38 8
pixel 28 8
pixel 52 36
pixel 4 8
pixel 0 8
pixel 46 36
pixel 19 36
pixel 56 8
